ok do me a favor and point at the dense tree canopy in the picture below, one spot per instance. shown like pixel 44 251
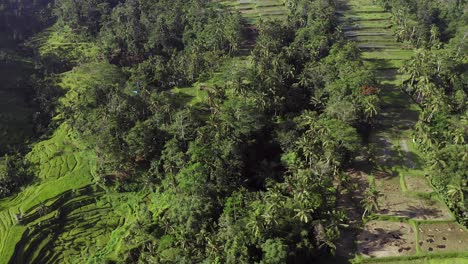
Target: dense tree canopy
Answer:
pixel 260 152
pixel 246 160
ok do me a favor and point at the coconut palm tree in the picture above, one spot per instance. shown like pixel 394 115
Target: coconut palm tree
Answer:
pixel 371 108
pixel 456 192
pixel 255 224
pixel 370 201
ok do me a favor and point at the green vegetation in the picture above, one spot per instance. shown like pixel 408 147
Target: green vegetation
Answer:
pixel 254 10
pixel 409 219
pixel 289 131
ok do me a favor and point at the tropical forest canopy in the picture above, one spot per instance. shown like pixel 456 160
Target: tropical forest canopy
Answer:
pixel 211 149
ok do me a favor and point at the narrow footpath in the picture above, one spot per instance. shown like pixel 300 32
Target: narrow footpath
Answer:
pixel 411 221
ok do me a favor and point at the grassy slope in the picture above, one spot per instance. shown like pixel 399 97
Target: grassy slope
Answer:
pixel 62 165
pixel 67 217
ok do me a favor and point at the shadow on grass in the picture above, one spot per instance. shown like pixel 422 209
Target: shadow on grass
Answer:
pixel 342 5
pixel 391 159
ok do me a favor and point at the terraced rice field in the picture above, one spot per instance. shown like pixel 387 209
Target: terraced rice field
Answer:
pixel 63 184
pixel 65 215
pixel 411 223
pixel 253 10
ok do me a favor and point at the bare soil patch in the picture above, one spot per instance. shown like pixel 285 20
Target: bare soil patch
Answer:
pixel 417 184
pixel 394 202
pixel 448 237
pixel 349 202
pixel 385 239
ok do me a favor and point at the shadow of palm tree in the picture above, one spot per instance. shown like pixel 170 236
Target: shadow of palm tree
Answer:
pixel 421 212
pixel 378 239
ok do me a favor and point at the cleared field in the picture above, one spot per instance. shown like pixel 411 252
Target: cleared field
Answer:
pixel 443 238
pixel 385 239
pixel 388 54
pixel 417 184
pixel 367 16
pixel 395 202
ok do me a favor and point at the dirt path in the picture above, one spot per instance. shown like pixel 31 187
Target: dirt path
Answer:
pixel 407 207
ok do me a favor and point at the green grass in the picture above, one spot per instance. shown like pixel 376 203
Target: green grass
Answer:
pixel 384 23
pixel 395 54
pixel 196 94
pixel 61 42
pixel 253 10
pixel 367 16
pixel 381 64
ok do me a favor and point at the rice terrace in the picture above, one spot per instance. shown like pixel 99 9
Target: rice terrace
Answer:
pixel 234 131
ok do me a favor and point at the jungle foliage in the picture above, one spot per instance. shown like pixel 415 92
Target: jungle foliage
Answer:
pixel 438 82
pixel 250 169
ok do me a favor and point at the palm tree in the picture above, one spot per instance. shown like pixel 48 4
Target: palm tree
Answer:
pixel 274 200
pixel 255 223
pixel 303 214
pixel 370 107
pixel 456 192
pixel 370 201
pixel 308 150
pixel 435 34
pixel 326 236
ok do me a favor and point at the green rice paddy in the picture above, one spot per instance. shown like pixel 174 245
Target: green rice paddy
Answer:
pixel 253 10
pixel 63 169
pixel 63 216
